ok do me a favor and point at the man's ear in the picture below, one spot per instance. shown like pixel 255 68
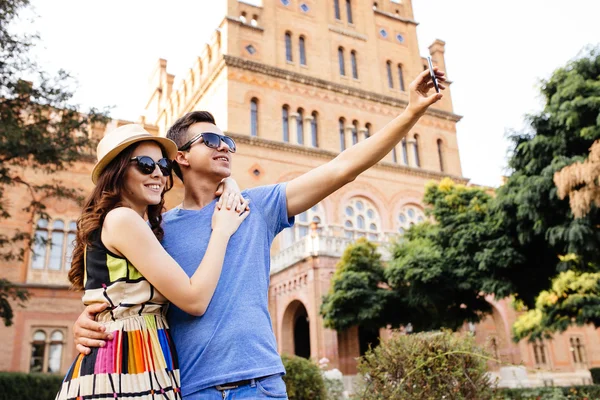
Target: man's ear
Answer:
pixel 181 158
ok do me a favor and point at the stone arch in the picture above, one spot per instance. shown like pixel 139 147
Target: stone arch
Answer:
pixel 295 330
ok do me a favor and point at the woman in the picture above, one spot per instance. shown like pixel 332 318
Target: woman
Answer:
pixel 118 260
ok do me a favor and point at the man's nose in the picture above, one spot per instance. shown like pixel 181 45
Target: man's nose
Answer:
pixel 223 146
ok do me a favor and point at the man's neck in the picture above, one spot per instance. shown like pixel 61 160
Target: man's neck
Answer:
pixel 198 193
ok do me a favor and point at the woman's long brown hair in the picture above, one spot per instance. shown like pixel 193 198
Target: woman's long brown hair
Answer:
pixel 106 196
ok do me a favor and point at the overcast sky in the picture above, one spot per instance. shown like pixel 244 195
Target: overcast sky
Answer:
pixel 496 53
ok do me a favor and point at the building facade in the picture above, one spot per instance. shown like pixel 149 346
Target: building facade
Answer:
pixel 294 82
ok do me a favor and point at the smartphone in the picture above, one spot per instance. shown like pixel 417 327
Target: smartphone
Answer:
pixel 432 73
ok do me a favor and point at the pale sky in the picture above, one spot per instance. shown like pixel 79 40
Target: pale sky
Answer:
pixel 496 53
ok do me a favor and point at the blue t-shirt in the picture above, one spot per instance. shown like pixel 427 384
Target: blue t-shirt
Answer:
pixel 234 339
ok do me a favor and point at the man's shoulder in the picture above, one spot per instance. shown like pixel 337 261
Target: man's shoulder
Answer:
pixel 264 190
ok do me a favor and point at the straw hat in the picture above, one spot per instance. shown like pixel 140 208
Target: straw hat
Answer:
pixel 115 141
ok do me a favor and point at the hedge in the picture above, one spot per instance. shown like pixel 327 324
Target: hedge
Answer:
pixel 591 392
pixel 20 386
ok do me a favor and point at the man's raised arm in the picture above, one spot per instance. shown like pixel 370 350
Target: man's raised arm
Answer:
pixel 307 190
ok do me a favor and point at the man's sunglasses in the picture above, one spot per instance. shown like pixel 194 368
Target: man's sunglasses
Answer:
pixel 212 140
pixel 146 165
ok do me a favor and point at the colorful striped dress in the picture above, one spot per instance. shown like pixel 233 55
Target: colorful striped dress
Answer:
pixel 140 362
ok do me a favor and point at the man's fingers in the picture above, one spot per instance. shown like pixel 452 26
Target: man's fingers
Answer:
pixel 83 350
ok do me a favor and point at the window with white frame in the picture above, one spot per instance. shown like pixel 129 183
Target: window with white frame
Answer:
pixel 361 219
pixel 408 216
pixel 53 245
pixel 47 346
pixel 302 225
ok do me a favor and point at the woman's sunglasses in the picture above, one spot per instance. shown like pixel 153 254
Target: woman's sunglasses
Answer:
pixel 212 140
pixel 146 165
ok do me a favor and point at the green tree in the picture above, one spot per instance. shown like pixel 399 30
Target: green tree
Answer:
pixel 573 299
pixel 356 297
pixel 434 278
pixel 40 129
pixel 541 225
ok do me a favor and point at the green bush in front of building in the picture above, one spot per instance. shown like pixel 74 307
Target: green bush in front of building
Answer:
pixel 21 386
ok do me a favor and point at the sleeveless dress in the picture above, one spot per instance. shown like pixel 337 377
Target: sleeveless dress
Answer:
pixel 140 362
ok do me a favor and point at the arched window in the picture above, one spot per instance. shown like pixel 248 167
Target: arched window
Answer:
pixel 70 244
pixel 254 117
pixel 361 219
pixel 300 126
pixel 243 17
pixel 416 148
pixel 400 77
pixel 56 245
pixel 40 242
pixel 539 353
pixel 349 11
pixel 38 352
pixel 394 156
pixel 341 61
pixel 367 131
pixel 55 352
pixel 342 122
pixel 336 9
pixel 302 225
pixel 375 6
pixel 440 155
pixel 389 74
pixel 302 51
pixel 354 66
pixel 578 351
pixel 354 132
pixel 408 216
pixel 285 120
pixel 404 152
pixel 254 21
pixel 314 129
pixel 288 46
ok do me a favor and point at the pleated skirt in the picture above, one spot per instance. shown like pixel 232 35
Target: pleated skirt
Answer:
pixel 139 363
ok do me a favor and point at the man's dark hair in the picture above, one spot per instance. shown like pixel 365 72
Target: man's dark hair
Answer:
pixel 178 131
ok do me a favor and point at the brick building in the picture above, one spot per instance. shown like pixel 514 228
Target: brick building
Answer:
pixel 294 82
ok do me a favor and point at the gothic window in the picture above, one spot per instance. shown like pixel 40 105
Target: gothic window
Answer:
pixel 46 350
pixel 361 219
pixel 354 65
pixel 349 11
pixel 288 46
pixel 302 50
pixel 408 216
pixel 314 129
pixel 336 9
pixel 285 120
pixel 578 350
pixel 341 61
pixel 302 225
pixel 400 77
pixel 254 117
pixel 539 353
pixel 300 127
pixel 342 122
pixel 404 152
pixel 416 150
pixel 53 245
pixel 394 156
pixel 389 74
pixel 354 132
pixel 367 131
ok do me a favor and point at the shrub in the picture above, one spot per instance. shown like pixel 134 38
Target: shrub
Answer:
pixel 595 375
pixel 425 366
pixel 334 384
pixel 550 393
pixel 303 379
pixel 21 386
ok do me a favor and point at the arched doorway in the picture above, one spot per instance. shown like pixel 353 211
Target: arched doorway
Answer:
pixel 367 338
pixel 296 330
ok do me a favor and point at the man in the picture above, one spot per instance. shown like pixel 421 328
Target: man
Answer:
pixel 231 352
